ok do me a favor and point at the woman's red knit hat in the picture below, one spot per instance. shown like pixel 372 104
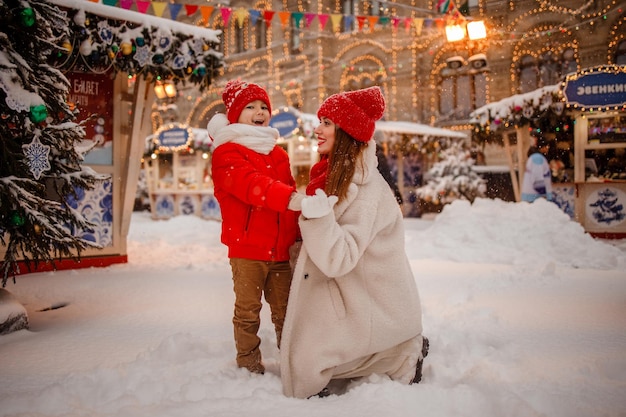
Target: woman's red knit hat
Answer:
pixel 355 112
pixel 238 94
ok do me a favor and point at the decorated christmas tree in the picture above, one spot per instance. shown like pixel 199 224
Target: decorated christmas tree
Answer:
pixel 40 168
pixel 452 178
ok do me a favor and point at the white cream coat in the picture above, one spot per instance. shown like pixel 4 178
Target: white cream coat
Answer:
pixel 353 293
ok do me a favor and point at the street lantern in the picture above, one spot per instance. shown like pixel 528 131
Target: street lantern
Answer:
pixel 165 90
pixel 455 33
pixel 476 30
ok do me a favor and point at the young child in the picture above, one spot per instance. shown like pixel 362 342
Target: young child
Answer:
pixel 256 190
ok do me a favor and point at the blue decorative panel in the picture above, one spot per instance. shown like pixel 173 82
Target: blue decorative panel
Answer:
pixel 164 206
pixel 96 206
pixel 210 208
pixel 565 198
pixel 605 206
pixel 187 204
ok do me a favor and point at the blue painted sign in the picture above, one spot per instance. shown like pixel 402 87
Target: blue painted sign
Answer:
pixel 601 88
pixel 285 123
pixel 173 138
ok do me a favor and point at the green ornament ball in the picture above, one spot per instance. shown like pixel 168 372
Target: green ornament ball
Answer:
pixel 38 113
pixel 17 219
pixel 27 17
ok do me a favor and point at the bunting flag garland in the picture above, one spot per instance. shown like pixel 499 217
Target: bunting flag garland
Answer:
pixel 445 7
pixel 322 19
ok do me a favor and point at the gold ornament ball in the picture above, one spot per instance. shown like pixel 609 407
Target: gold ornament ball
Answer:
pixel 127 48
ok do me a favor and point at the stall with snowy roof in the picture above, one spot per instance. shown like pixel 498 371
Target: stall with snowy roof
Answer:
pixel 177 165
pixel 112 59
pixel 584 120
pixel 410 150
pixel 298 140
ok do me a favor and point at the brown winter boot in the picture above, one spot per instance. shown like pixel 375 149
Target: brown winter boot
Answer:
pixel 418 368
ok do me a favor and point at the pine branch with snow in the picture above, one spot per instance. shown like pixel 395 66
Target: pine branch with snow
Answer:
pixel 40 167
pixel 452 178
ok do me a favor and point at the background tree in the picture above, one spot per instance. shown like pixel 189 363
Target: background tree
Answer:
pixel 452 178
pixel 40 168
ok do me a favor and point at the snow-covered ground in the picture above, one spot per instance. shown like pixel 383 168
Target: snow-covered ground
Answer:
pixel 526 316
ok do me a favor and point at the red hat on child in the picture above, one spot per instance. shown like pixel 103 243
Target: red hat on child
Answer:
pixel 355 112
pixel 238 94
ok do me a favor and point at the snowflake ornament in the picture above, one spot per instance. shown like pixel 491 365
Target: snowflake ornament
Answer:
pixel 143 55
pixel 37 155
pixel 105 32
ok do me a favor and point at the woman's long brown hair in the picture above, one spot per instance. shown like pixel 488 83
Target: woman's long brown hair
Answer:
pixel 346 153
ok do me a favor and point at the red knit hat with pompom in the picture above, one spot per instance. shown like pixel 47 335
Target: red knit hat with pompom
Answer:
pixel 355 112
pixel 238 94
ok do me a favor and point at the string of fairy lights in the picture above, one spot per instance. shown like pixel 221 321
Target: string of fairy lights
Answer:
pixel 425 45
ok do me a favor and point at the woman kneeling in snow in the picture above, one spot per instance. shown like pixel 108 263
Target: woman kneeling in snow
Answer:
pixel 354 308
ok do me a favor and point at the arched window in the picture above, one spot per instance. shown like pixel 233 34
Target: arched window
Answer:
pixel 548 69
pixel 296 37
pixel 348 8
pixel 463 87
pixel 527 73
pixel 568 62
pixel 239 39
pixel 620 53
pixel 260 32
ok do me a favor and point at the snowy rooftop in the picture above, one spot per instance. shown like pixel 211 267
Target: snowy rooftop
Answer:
pixel 140 18
pixel 505 109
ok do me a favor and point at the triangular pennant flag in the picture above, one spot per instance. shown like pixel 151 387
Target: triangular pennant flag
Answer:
pixel 418 22
pixel 159 8
pixel 384 20
pixel 395 21
pixel 225 15
pixel 174 10
pixel 440 23
pixel 308 19
pixel 372 20
pixel 142 5
pixel 428 23
pixel 254 16
pixel 190 9
pixel 297 18
pixel 443 6
pixel 322 19
pixel 361 22
pixel 348 21
pixel 407 24
pixel 240 15
pixel 206 12
pixel 284 19
pixel 336 21
pixel 94 1
pixel 126 4
pixel 109 2
pixel 267 16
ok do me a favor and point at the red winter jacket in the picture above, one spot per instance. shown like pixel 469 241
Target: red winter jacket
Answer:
pixel 253 191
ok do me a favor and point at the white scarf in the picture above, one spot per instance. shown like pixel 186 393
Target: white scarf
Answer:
pixel 260 139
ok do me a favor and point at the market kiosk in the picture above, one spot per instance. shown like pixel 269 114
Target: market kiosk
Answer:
pixel 177 166
pixel 589 163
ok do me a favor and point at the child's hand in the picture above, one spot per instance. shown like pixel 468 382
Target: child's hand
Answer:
pixel 318 205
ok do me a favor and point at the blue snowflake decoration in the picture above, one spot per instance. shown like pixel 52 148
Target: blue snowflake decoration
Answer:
pixel 179 62
pixel 105 32
pixel 165 42
pixel 143 55
pixel 37 155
